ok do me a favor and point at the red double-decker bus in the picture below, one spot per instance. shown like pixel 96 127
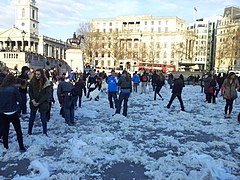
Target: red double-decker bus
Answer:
pixel 156 66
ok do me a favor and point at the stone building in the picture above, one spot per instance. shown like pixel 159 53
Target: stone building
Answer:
pixel 22 44
pixel 228 41
pixel 125 41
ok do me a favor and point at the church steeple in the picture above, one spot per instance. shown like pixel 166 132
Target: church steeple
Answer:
pixel 27 16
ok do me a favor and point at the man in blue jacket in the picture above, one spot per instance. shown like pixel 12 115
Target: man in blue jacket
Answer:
pixel 112 89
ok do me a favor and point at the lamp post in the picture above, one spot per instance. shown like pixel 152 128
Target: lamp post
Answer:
pixel 23 35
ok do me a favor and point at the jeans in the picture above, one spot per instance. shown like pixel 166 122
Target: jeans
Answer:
pixel 79 99
pixel 14 119
pixel 112 95
pixel 68 109
pixel 157 91
pixel 43 118
pixel 122 97
pixel 23 103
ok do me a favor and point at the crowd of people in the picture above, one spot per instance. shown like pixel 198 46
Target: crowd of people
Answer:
pixel 36 84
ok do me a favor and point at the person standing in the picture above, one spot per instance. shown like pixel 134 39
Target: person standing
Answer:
pixel 80 88
pixel 66 99
pixel 230 87
pixel 144 81
pixel 23 91
pixel 10 98
pixel 125 85
pixel 177 92
pixel 39 91
pixel 112 89
pixel 136 81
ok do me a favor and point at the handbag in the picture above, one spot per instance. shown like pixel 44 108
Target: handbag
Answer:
pixel 234 95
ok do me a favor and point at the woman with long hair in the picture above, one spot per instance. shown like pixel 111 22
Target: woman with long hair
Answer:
pixel 39 91
pixel 10 98
pixel 230 87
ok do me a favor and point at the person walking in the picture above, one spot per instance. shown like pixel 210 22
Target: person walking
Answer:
pixel 39 91
pixel 155 78
pixel 112 89
pixel 177 88
pixel 159 84
pixel 125 85
pixel 10 98
pixel 230 87
pixel 4 72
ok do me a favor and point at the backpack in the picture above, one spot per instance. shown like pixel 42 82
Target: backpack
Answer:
pixel 144 78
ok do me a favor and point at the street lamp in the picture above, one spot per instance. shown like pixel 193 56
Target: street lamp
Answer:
pixel 23 35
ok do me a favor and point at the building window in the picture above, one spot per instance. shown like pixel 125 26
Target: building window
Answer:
pixel 104 30
pixel 102 63
pixel 116 29
pixel 34 26
pixel 104 24
pixel 110 24
pixel 152 29
pixel 159 29
pixel 110 30
pixel 145 22
pixel 33 14
pixel 152 22
pixel 159 22
pixel 166 29
pixel 102 54
pixel 165 55
pixel 96 54
pixel 109 63
pixel 97 30
pixel 109 54
pixel 166 22
pixel 23 12
pixel 165 45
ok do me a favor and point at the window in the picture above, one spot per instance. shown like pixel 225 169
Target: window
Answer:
pixel 129 45
pixel 109 55
pixel 166 22
pixel 102 54
pixel 110 24
pixel 34 26
pixel 145 22
pixel 166 29
pixel 33 14
pixel 109 62
pixel 165 45
pixel 110 30
pixel 152 29
pixel 159 29
pixel 159 22
pixel 152 22
pixel 104 30
pixel 102 63
pixel 23 12
pixel 165 55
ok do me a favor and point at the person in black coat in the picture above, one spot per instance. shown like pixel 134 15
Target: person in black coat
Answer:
pixel 80 88
pixel 10 98
pixel 177 91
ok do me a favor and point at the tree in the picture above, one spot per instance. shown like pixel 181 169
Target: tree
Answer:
pixel 228 45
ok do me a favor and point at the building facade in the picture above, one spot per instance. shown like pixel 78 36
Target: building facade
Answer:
pixel 22 45
pixel 228 41
pixel 125 41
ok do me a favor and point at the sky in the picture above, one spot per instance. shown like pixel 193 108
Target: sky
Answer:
pixel 60 18
pixel 152 142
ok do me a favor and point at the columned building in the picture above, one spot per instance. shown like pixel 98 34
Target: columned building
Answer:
pixel 23 45
pixel 125 41
pixel 228 43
